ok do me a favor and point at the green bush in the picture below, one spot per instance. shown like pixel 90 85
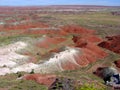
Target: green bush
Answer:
pixel 88 87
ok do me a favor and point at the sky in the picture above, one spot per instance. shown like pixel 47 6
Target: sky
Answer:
pixel 58 2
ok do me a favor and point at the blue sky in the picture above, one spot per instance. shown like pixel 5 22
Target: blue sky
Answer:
pixel 58 2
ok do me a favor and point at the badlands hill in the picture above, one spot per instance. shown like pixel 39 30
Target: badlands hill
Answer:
pixel 57 44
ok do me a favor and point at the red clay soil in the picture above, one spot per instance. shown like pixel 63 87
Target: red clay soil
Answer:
pixel 56 50
pixel 82 39
pixel 90 45
pixel 42 31
pixel 69 66
pixel 32 57
pixel 47 80
pixel 50 41
pixel 92 38
pixel 97 51
pixel 117 63
pixel 73 29
pixel 23 26
pixel 90 55
pixel 112 43
pixel 82 60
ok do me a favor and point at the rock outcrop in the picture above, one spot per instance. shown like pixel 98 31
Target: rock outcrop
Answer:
pixel 117 63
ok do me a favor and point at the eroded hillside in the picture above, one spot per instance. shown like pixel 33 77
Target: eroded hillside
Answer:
pixel 58 44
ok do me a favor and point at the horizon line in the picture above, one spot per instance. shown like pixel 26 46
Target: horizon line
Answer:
pixel 58 5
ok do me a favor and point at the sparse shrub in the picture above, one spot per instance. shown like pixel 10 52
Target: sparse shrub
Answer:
pixel 28 85
pixel 19 74
pixel 88 87
pixel 4 66
pixel 32 72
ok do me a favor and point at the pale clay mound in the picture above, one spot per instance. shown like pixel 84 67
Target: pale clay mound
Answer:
pixel 9 59
pixel 8 55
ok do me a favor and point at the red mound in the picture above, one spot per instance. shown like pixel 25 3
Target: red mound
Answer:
pixel 47 80
pixel 117 63
pixel 112 43
pixel 89 44
pixel 90 51
pixel 81 40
